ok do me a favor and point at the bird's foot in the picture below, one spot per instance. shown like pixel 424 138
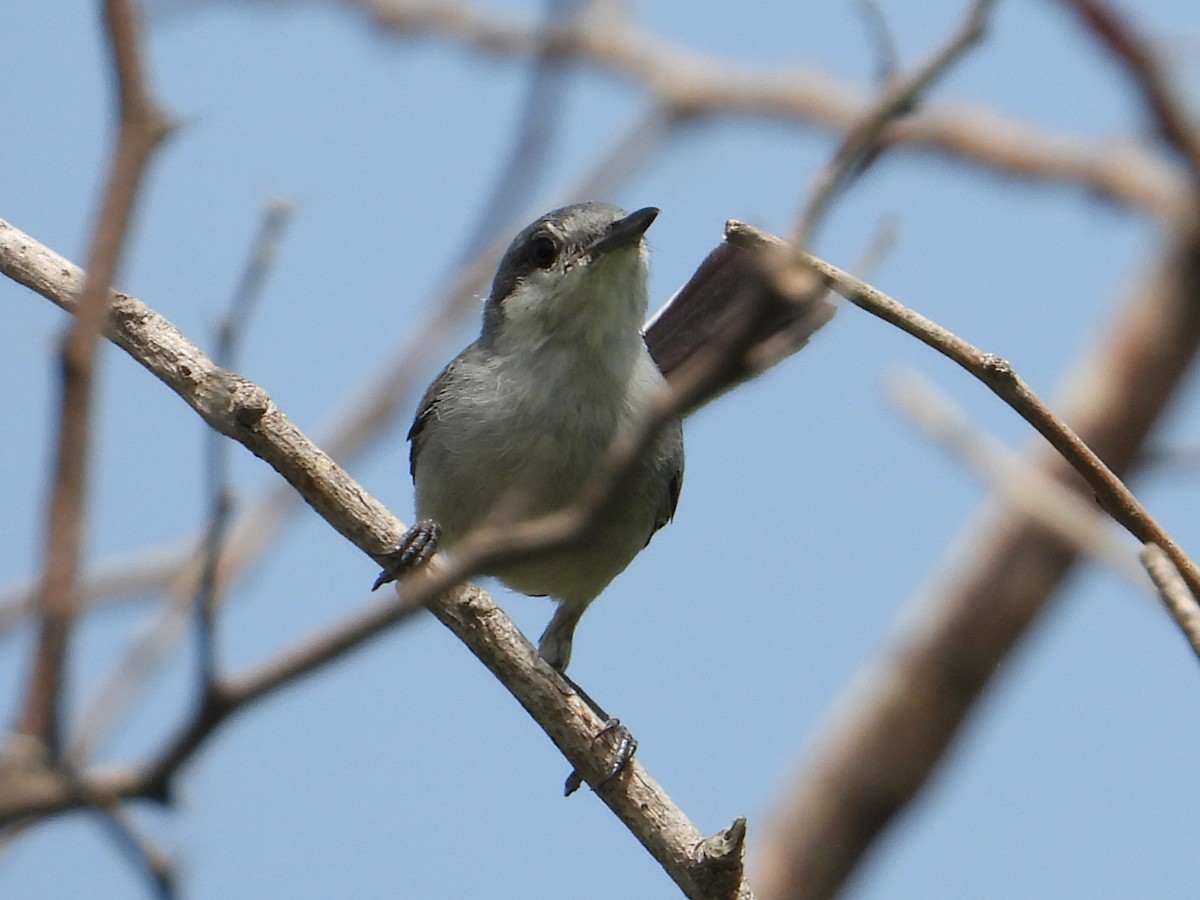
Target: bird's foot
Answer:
pixel 625 745
pixel 415 549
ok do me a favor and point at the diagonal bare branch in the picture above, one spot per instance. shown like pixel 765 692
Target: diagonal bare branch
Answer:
pixel 704 867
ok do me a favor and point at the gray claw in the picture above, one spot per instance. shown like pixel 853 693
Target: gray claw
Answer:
pixel 626 746
pixel 415 549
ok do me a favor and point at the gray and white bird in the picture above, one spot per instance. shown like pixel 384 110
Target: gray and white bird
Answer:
pixel 517 425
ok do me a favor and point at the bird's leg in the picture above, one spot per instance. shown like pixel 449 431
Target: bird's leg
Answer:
pixel 415 549
pixel 555 648
pixel 625 743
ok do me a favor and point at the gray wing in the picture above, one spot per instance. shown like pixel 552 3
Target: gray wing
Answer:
pixel 426 411
pixel 673 462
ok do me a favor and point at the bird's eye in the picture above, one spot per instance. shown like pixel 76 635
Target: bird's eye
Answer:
pixel 544 251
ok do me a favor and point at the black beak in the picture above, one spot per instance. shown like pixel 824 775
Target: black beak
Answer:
pixel 624 232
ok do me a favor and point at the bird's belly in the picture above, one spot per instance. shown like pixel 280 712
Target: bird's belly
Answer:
pixel 582 570
pixel 537 474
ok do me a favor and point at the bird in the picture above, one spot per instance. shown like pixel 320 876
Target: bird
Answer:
pixel 518 423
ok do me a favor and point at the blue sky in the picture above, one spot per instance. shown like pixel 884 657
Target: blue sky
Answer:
pixel 812 512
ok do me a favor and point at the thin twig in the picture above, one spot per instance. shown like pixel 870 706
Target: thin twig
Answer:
pixel 208 585
pixel 145 854
pixel 217 450
pixel 883 43
pixel 999 376
pixel 142 128
pixel 1174 593
pixel 1075 519
pixel 898 98
pixel 1167 108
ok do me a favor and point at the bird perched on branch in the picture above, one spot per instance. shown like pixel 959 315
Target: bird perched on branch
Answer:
pixel 517 425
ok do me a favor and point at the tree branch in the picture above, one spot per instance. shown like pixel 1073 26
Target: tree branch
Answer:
pixel 1174 593
pixel 142 128
pixel 863 141
pixel 1076 519
pixel 235 407
pixel 255 527
pixel 899 720
pixel 1000 377
pixel 694 86
pixel 1159 96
